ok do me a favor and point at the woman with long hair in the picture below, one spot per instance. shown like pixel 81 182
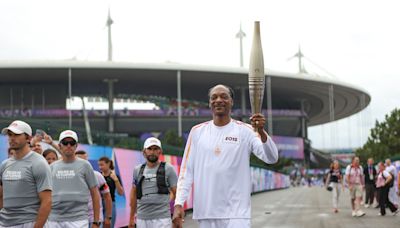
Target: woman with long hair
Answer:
pixel 50 156
pixel 333 182
pixel 106 166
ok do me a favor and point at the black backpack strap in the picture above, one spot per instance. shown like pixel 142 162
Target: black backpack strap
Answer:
pixel 392 180
pixel 161 182
pixel 139 193
pixel 390 184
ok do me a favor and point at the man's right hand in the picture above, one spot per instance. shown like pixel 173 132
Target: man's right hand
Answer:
pixel 113 176
pixel 177 219
pixel 47 139
pixel 131 224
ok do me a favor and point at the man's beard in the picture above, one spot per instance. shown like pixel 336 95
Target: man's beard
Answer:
pixel 152 158
pixel 17 146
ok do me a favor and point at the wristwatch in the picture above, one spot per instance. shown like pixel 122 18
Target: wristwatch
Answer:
pixel 96 223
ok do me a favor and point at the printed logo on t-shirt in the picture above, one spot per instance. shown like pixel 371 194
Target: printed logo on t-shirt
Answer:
pixel 12 175
pixel 65 174
pixel 150 177
pixel 231 139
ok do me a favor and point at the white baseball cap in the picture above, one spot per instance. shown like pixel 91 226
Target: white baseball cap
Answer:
pixel 68 134
pixel 18 127
pixel 151 142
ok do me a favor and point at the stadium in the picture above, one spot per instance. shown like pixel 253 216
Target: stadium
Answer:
pixel 37 91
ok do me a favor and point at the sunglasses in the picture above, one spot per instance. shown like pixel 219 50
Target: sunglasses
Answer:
pixel 65 143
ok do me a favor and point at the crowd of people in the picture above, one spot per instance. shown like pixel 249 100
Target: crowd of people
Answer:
pixel 373 182
pixel 56 187
pixel 59 188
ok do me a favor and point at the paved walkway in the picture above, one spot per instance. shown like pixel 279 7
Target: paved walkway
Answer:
pixel 305 207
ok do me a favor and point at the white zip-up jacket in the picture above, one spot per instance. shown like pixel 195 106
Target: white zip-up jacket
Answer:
pixel 217 162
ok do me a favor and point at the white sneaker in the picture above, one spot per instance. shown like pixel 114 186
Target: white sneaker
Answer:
pixel 366 205
pixel 360 213
pixel 397 211
pixel 353 213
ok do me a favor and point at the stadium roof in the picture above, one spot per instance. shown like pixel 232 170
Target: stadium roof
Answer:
pixel 288 89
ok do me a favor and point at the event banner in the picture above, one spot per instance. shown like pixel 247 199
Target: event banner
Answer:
pixel 289 147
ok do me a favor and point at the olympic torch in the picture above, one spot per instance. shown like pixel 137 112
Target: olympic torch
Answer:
pixel 256 72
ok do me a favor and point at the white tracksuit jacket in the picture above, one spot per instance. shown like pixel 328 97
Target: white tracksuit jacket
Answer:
pixel 216 161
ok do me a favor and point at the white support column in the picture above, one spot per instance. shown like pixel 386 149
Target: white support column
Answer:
pixel 33 101
pixel 269 106
pixel 22 99
pixel 43 99
pixel 179 93
pixel 12 101
pixel 243 101
pixel 70 98
pixel 332 115
pixel 87 124
pixel 362 119
pixel 110 83
pixel 331 104
pixel 303 120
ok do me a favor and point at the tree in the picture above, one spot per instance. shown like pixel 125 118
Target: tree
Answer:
pixel 171 138
pixel 384 139
pixel 129 143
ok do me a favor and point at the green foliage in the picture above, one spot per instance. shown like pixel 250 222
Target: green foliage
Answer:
pixel 171 143
pixel 282 164
pixel 384 140
pixel 171 138
pixel 129 143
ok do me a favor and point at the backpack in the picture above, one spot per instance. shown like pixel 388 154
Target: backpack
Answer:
pixel 161 183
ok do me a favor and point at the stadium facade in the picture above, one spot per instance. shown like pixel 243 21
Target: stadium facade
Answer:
pixel 37 91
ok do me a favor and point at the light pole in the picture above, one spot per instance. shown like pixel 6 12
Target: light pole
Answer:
pixel 240 35
pixel 108 24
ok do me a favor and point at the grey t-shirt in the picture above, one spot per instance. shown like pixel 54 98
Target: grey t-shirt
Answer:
pixel 22 181
pixel 71 190
pixel 153 205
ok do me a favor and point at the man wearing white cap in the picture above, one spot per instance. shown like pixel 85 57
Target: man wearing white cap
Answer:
pixel 152 184
pixel 25 182
pixel 73 178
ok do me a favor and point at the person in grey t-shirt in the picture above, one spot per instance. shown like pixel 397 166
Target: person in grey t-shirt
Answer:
pixel 151 193
pixel 73 182
pixel 25 182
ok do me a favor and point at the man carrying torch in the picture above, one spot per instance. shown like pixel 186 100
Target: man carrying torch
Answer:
pixel 216 162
